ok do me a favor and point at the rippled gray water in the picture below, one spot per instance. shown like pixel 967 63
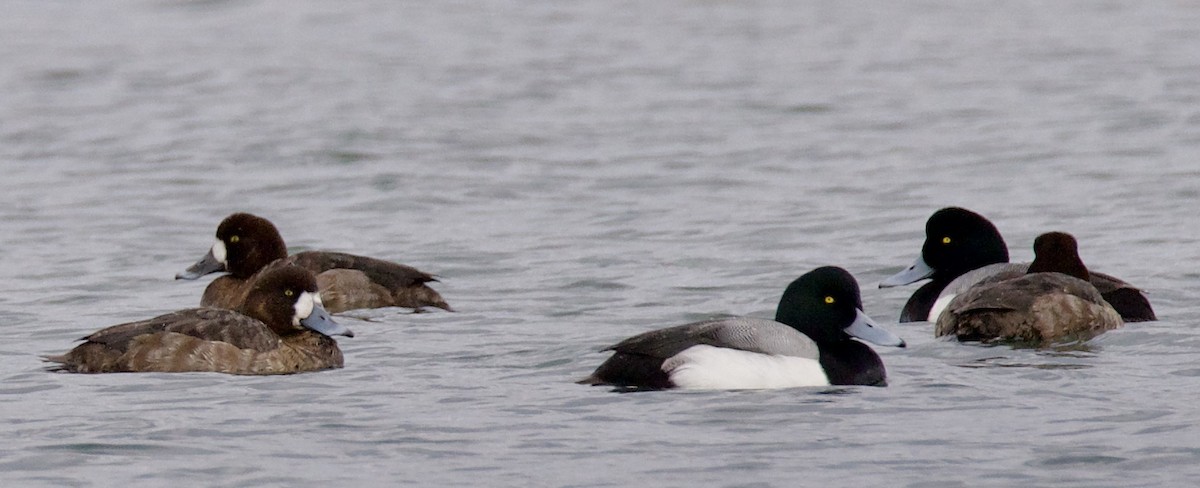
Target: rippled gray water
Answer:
pixel 577 173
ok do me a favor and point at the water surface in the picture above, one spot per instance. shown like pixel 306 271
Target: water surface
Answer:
pixel 577 173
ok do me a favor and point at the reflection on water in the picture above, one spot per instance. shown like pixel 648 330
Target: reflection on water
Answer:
pixel 1004 362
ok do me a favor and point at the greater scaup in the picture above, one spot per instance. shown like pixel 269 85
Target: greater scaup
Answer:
pixel 1051 302
pixel 962 247
pixel 281 328
pixel 808 344
pixel 248 244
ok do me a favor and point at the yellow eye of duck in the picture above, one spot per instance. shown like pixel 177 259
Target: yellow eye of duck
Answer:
pixel 945 240
pixel 234 239
pixel 289 292
pixel 829 300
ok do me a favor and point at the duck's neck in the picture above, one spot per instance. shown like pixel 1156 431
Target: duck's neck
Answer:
pixel 258 257
pixel 850 362
pixel 921 302
pixel 1058 252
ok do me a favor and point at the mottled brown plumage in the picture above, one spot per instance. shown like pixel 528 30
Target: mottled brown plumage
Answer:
pixel 1052 302
pixel 264 337
pixel 252 245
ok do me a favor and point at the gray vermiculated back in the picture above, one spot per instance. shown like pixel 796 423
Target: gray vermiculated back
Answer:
pixel 991 272
pixel 745 333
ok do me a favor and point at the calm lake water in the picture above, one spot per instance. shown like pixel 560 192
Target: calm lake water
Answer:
pixel 578 172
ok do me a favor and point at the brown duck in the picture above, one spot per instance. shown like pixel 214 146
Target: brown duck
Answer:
pixel 281 328
pixel 248 245
pixel 1052 302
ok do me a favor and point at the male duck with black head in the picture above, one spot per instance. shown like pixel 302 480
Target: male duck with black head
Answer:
pixel 962 247
pixel 281 328
pixel 808 344
pixel 1052 302
pixel 248 245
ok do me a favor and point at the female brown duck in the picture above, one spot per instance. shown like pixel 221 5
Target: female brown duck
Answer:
pixel 1053 301
pixel 247 245
pixel 281 328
